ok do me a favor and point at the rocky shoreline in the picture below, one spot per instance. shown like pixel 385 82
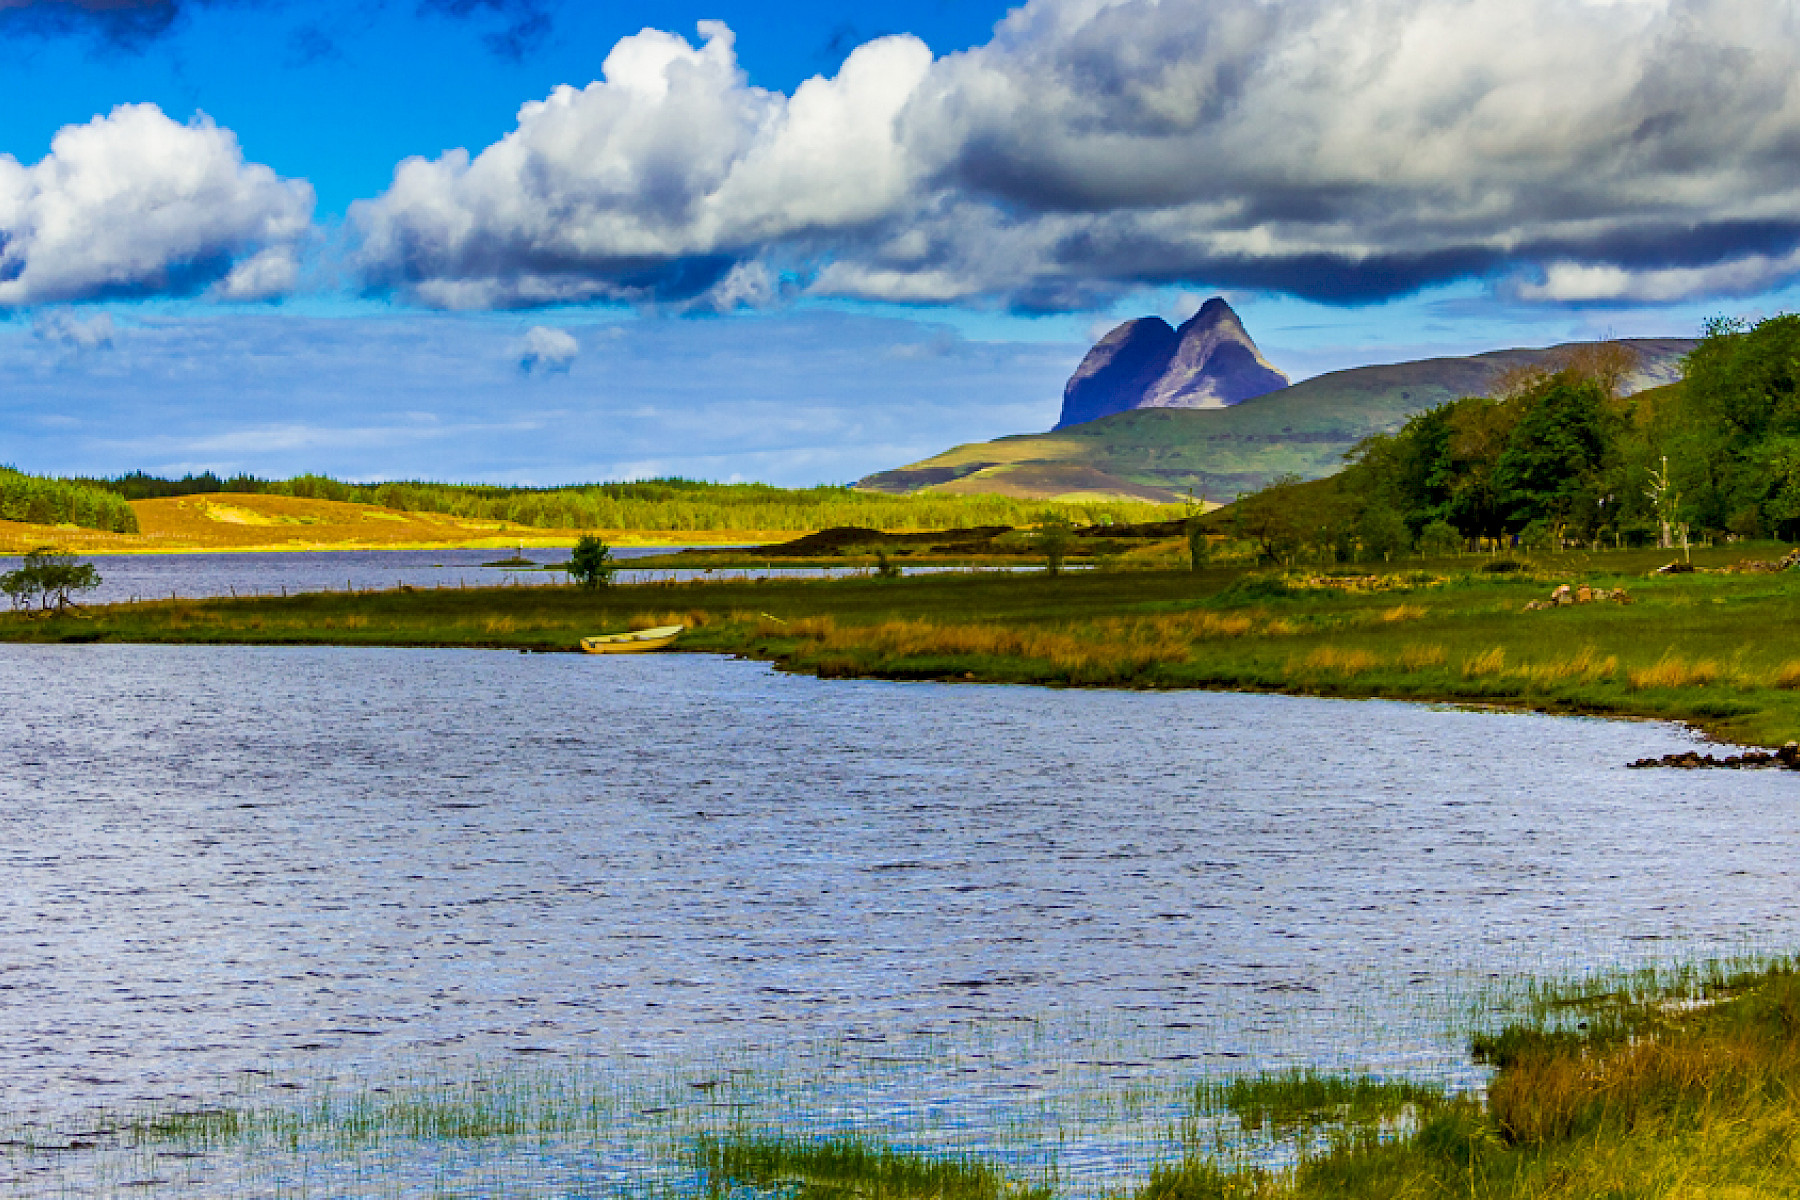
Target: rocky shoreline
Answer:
pixel 1787 758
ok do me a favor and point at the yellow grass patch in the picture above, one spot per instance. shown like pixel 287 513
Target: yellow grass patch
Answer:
pixel 1587 665
pixel 1403 612
pixel 232 514
pixel 1330 660
pixel 1417 657
pixel 1125 649
pixel 1489 662
pixel 249 520
pixel 1673 671
pixel 693 618
pixel 1787 675
pixel 499 625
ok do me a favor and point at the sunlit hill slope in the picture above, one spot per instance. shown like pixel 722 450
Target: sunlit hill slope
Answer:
pixel 1302 430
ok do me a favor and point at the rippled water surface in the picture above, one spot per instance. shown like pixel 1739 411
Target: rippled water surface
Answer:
pixel 329 863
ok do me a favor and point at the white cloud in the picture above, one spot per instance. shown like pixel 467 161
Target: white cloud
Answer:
pixel 71 334
pixel 649 184
pixel 134 203
pixel 1342 150
pixel 547 351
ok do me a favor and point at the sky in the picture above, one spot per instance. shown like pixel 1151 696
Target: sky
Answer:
pixel 526 241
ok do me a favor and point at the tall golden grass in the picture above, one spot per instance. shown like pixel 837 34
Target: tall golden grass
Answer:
pixel 693 618
pixel 1585 665
pixel 1330 660
pixel 1673 671
pixel 1489 662
pixel 1418 657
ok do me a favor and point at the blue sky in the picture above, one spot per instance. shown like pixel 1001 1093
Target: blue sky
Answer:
pixel 526 241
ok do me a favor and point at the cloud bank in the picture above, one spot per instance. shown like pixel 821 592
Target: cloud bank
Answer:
pixel 1337 150
pixel 134 203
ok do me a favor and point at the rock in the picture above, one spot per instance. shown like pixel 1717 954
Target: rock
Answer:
pixel 1562 595
pixel 1787 758
pixel 1215 364
pixel 1584 594
pixel 1210 362
pixel 1676 568
pixel 1118 371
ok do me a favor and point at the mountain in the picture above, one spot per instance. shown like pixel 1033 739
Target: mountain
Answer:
pixel 1303 430
pixel 1210 362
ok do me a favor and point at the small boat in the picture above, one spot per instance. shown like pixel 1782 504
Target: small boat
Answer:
pixel 635 642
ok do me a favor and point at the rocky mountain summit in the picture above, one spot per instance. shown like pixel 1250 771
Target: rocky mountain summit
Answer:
pixel 1209 362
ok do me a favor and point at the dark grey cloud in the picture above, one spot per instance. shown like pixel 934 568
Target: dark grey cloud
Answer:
pixel 521 25
pixel 123 23
pixel 524 24
pixel 1347 151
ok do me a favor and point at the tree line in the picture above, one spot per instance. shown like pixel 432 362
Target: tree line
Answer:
pixel 672 505
pixel 1559 456
pixel 45 501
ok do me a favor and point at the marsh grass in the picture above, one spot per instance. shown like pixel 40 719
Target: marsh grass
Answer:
pixel 1586 666
pixel 1418 657
pixel 1674 671
pixel 851 1166
pixel 1491 661
pixel 1333 661
pixel 1304 1098
pixel 1621 1083
pixel 692 618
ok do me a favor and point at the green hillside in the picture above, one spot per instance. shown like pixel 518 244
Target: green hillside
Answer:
pixel 1302 430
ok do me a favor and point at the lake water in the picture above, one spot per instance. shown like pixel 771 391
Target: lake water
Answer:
pixel 128 577
pixel 935 912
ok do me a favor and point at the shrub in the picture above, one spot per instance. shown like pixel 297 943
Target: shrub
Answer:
pixel 591 563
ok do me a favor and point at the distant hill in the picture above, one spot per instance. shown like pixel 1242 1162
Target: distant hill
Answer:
pixel 1302 430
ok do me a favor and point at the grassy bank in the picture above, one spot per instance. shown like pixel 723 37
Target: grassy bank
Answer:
pixel 1678 1084
pixel 1683 1091
pixel 1716 650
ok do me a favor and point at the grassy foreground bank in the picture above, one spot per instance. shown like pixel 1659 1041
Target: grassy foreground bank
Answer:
pixel 1676 1084
pixel 1715 649
pixel 1662 1092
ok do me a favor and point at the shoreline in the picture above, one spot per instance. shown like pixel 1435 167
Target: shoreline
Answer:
pixel 1704 650
pixel 550 542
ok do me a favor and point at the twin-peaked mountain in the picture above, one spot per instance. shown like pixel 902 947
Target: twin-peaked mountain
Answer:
pixel 1209 362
